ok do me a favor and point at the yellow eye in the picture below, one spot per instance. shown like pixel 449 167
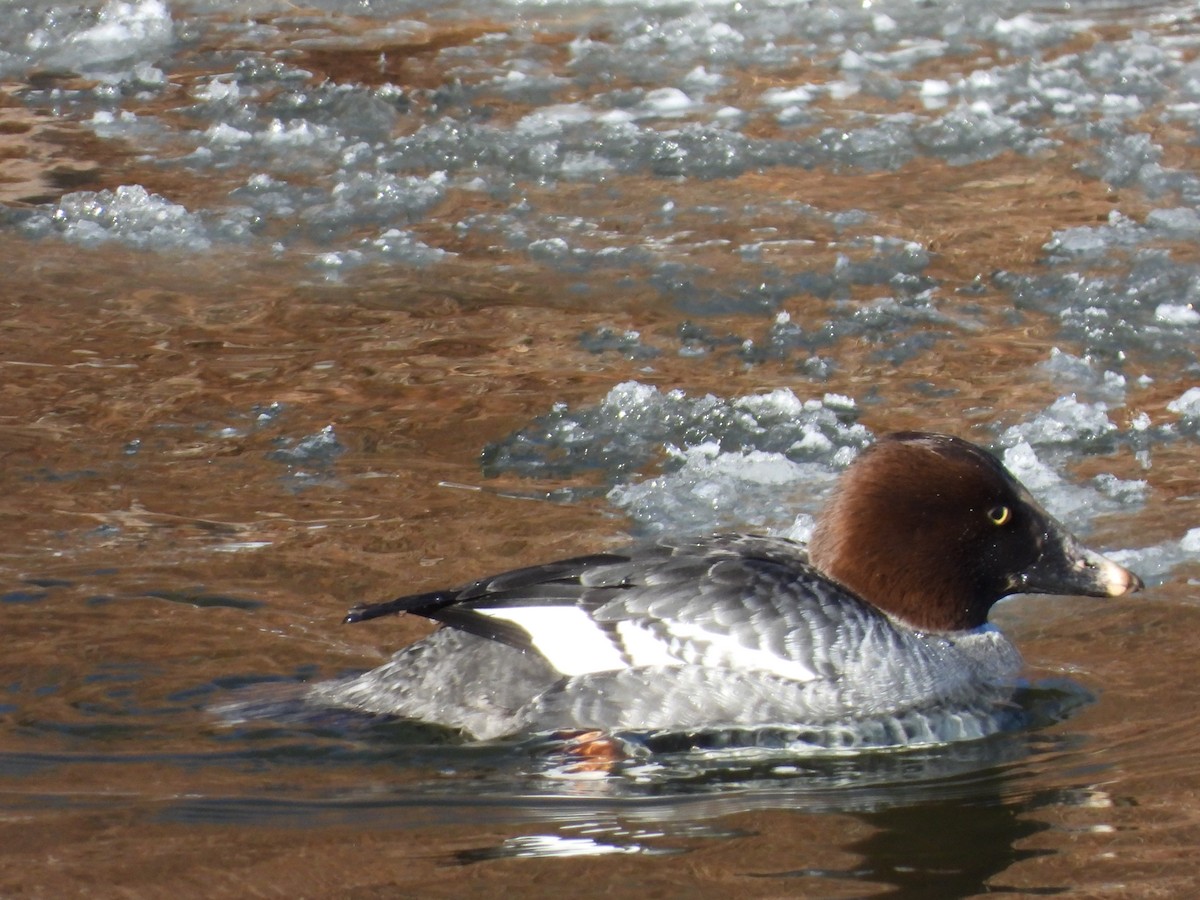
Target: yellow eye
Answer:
pixel 1000 515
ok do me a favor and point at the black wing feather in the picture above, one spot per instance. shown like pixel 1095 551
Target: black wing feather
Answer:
pixel 529 583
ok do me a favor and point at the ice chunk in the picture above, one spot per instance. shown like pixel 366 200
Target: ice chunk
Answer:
pixel 801 528
pixel 403 246
pixel 627 343
pixel 1022 25
pixel 1154 563
pixel 753 460
pixel 934 92
pixel 1177 314
pixel 1182 220
pixel 801 94
pixel 130 214
pixel 550 120
pixel 712 489
pixel 1022 461
pixel 122 31
pixel 1083 375
pixel 1099 241
pixel 1126 492
pixel 636 424
pixel 1190 542
pixel 1187 406
pixel 883 23
pixel 1066 421
pixel 217 90
pixel 1074 504
pixel 221 133
pixel 319 449
pixel 666 101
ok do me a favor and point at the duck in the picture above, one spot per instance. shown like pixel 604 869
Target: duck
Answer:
pixel 875 633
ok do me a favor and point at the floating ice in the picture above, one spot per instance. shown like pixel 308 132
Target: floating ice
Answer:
pixel 636 424
pixel 711 489
pixel 1066 422
pixel 1082 375
pixel 552 120
pixel 627 343
pixel 129 214
pixel 934 92
pixel 666 101
pixel 319 449
pixel 879 87
pixel 401 246
pixel 789 96
pixel 1155 563
pixel 1113 311
pixel 1098 241
pixel 1076 505
pixel 1177 313
pixel 1187 406
pixel 768 460
pixel 91 42
pixel 1178 220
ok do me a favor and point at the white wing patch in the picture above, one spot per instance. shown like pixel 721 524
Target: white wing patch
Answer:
pixel 643 647
pixel 566 636
pixel 574 644
pixel 728 652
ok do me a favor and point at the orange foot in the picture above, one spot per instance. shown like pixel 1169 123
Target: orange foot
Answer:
pixel 589 751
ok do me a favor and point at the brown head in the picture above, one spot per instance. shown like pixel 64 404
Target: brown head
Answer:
pixel 934 530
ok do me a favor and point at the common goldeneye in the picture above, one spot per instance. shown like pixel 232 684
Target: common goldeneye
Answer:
pixel 876 635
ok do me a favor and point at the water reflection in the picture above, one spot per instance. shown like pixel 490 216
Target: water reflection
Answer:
pixel 946 849
pixel 943 821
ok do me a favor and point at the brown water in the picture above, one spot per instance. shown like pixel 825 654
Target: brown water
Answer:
pixel 157 557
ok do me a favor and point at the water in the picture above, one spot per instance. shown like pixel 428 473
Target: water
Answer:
pixel 313 307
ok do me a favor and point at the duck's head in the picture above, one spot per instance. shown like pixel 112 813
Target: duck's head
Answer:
pixel 934 530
